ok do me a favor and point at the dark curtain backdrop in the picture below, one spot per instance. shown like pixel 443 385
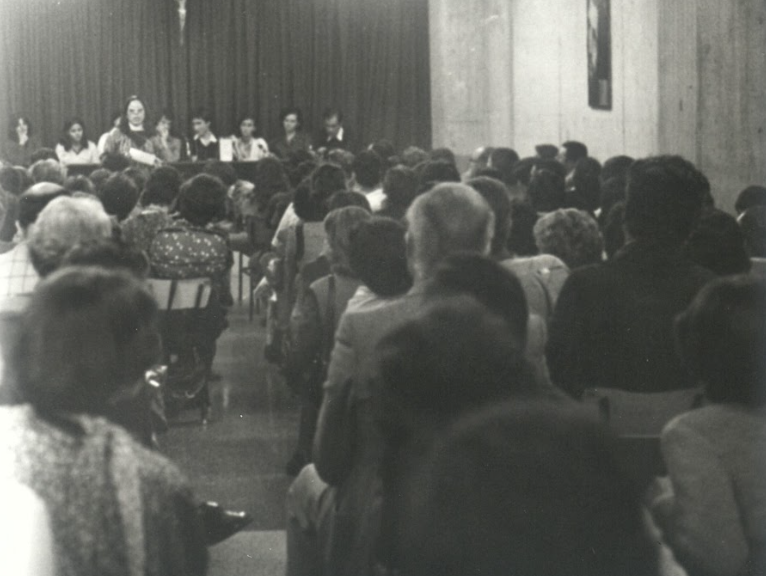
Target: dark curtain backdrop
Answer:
pixel 60 58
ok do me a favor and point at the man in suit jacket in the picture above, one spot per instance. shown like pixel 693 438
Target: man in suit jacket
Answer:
pixel 348 447
pixel 613 322
pixel 334 134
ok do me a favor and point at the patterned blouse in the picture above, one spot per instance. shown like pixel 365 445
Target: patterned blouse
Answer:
pixel 140 229
pixel 115 507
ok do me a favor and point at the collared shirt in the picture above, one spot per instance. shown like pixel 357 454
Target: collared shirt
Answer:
pixel 377 199
pixel 88 155
pixel 202 151
pixel 17 275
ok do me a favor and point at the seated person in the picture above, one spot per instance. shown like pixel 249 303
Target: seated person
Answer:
pixel 155 204
pixel 613 322
pixel 168 146
pixel 130 133
pixel 204 145
pixel 400 188
pixel 368 175
pixel 496 195
pixel 753 224
pixel 334 134
pixel 571 235
pixel 246 146
pixel 718 244
pixel 525 488
pixel 119 196
pixel 749 197
pixel 713 511
pixel 74 146
pixel 21 142
pixel 293 140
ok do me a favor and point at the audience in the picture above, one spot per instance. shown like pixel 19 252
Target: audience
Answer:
pixel 612 325
pixel 504 160
pixel 119 196
pixel 570 235
pixel 753 224
pixel 478 160
pixel 715 501
pixel 749 197
pixel 155 207
pixel 718 244
pixel 571 153
pixel 368 173
pixel 400 188
pixel 586 185
pixel 496 195
pixel 546 190
pixel 48 170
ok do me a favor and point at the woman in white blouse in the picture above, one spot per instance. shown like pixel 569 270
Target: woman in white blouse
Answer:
pixel 74 146
pixel 246 147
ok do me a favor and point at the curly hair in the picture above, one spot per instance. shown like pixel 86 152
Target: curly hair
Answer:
pixel 571 235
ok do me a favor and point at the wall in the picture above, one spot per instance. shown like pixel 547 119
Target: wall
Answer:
pixel 689 77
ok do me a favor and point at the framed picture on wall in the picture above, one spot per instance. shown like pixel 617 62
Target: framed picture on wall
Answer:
pixel 599 54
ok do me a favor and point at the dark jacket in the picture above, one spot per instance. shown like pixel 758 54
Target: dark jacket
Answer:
pixel 613 322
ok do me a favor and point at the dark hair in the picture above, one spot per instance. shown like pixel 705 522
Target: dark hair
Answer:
pixel 270 179
pixel 66 139
pixel 10 180
pixel 496 195
pixel 378 256
pixel 750 196
pixel 162 187
pixel 285 112
pixel 80 183
pixel 722 337
pixel 400 185
pixel 43 154
pixel 504 160
pixel 242 119
pixel 13 123
pixel 224 171
pixel 109 253
pixel 168 113
pixel 139 175
pixel 718 244
pixel 546 191
pixel 301 172
pixel 574 151
pixel 753 224
pixel 99 177
pixel 616 167
pixel 332 113
pixel 202 199
pixel 201 114
pixel 522 170
pixel 385 149
pixel 49 170
pixel 368 168
pixel 664 198
pixel 32 202
pixel 435 171
pixel 119 196
pixel 25 177
pixel 87 333
pixel 587 185
pixel 612 192
pixel 547 151
pixel 412 156
pixel 521 240
pixel 524 488
pixel 614 231
pixel 344 198
pixel 115 162
pixel 442 155
pixel 310 201
pixel 570 235
pixel 488 172
pixel 342 158
pixel 489 283
pixel 136 137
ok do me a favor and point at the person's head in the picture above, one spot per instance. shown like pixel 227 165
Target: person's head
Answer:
pixel 523 488
pixel 246 127
pixel 270 178
pixel 162 187
pixel 10 180
pixel 43 154
pixel 571 153
pixel 134 113
pixel 496 195
pixel 664 199
pixel 368 169
pixel 88 336
pixel 48 171
pixel 753 224
pixel 116 117
pixel 34 200
pixel 479 158
pixel 345 160
pixel 504 160
pixel 721 337
pixel 435 171
pixel 332 120
pixel 718 243
pixel 115 162
pixel 587 184
pixel 612 192
pixel 345 198
pixel 750 196
pixel 119 196
pixel 385 149
pixel 378 256
pixel 224 171
pixel 489 283
pixel 521 240
pixel 201 121
pixel 616 167
pixel 291 119
pixel 412 156
pixel 80 183
pixel 547 151
pixel 62 224
pixel 19 126
pixel 166 122
pixel 73 134
pixel 571 235
pixel 547 191
pixel 109 253
pixel 400 184
pixel 614 230
pixel 202 200
pixel 339 225
pixel 442 155
pixel 139 175
pixel 326 180
pixel 99 177
pixel 450 218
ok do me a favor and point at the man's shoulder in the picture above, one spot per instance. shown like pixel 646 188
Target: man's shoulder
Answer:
pixel 382 318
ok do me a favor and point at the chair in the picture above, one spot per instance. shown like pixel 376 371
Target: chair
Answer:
pixel 187 347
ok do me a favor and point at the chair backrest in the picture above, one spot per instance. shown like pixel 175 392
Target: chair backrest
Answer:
pixel 189 294
pixel 640 413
